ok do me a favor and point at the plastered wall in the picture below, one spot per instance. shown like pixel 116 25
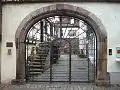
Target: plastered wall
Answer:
pixel 12 15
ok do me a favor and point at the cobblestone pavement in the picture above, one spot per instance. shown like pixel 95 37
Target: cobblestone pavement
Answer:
pixel 57 87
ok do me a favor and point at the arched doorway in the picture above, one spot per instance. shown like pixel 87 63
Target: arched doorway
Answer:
pixel 48 59
pixel 95 38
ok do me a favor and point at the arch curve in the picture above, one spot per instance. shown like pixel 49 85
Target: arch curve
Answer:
pixel 87 16
pixel 60 9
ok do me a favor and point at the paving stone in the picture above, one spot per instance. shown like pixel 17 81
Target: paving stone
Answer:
pixel 56 87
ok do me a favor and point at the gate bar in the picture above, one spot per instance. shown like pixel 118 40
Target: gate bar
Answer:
pixel 70 63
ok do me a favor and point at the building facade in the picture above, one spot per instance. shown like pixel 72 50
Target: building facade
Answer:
pixel 16 18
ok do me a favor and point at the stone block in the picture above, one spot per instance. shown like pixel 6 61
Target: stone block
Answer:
pixel 18 82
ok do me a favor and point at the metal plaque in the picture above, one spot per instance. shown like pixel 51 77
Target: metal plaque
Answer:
pixel 9 44
pixel 117 52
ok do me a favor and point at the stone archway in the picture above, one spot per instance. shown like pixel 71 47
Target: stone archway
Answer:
pixel 58 9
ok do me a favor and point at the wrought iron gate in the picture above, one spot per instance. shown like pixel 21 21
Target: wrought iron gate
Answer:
pixel 60 61
pixel 60 49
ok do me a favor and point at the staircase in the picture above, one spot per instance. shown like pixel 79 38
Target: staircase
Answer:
pixel 39 62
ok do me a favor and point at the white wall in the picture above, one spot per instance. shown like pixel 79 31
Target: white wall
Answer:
pixel 14 14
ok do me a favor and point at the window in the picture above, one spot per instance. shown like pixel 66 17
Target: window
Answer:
pixel 72 33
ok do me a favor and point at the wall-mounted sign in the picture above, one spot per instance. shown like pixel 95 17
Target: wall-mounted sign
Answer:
pixel 9 52
pixel 117 52
pixel 110 51
pixel 9 44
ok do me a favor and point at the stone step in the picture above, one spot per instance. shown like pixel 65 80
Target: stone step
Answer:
pixel 34 73
pixel 36 66
pixel 37 63
pixel 42 52
pixel 40 56
pixel 43 45
pixel 35 59
pixel 36 70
